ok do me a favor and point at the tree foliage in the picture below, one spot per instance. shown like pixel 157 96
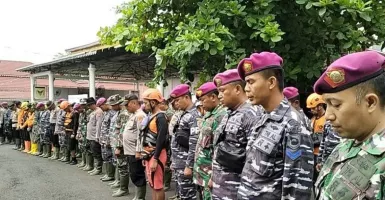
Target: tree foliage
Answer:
pixel 209 36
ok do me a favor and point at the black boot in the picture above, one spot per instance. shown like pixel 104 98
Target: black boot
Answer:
pixel 74 161
pixel 1 140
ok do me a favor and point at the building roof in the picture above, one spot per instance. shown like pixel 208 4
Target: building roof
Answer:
pixel 111 63
pixel 8 68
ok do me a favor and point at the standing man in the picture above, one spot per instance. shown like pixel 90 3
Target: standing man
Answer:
pixel 353 88
pixel 15 130
pixel 94 116
pixel 279 153
pixel 230 137
pixel 184 143
pixel 71 130
pixel 153 142
pixel 208 96
pixel 60 130
pixel 134 168
pixel 36 129
pixel 45 129
pixel 82 133
pixel 2 111
pixel 65 134
pixel 8 124
pixel 317 106
pixel 93 133
pixel 292 95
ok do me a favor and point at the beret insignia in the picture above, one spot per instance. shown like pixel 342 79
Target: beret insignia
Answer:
pixel 335 77
pixel 198 93
pixel 247 66
pixel 218 81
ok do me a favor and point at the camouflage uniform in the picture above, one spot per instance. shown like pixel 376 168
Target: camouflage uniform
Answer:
pixel 233 129
pixel 84 144
pixel 116 138
pixel 45 127
pixel 36 127
pixel 204 151
pixel 329 141
pixel 183 157
pixel 279 158
pixel 8 124
pixel 60 129
pixel 354 170
pixel 104 137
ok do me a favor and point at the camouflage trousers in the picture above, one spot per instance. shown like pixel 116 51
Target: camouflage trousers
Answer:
pixel 107 154
pixel 35 136
pixel 63 140
pixel 186 187
pixel 84 145
pixel 225 184
pixel 46 138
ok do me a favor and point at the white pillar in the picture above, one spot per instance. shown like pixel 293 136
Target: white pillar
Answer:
pixel 32 88
pixel 91 81
pixel 138 88
pixel 51 87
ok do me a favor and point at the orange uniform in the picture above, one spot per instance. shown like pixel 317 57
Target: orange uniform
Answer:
pixel 318 128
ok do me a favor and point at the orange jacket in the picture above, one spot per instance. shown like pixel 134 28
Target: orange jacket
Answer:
pixel 20 118
pixel 31 117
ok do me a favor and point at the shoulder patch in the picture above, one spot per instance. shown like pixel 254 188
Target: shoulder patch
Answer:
pixel 293 155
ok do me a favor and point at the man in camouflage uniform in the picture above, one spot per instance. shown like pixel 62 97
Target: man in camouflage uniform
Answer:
pixel 7 125
pixel 15 131
pixel 85 143
pixel 121 175
pixel 81 133
pixel 93 131
pixel 292 95
pixel 111 110
pixel 279 154
pixel 353 88
pixel 36 128
pixel 329 141
pixel 2 110
pixel 60 130
pixel 208 95
pixel 45 129
pixel 184 143
pixel 230 137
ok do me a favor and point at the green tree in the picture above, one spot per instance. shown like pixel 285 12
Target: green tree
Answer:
pixel 208 36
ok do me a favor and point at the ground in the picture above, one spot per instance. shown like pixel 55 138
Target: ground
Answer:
pixel 25 176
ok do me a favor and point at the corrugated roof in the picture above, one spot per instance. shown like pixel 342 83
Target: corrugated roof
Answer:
pixel 8 68
pixel 65 58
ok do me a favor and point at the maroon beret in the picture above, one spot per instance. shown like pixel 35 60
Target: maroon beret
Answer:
pixel 349 71
pixel 258 62
pixel 205 89
pixel 226 77
pixel 290 92
pixel 180 90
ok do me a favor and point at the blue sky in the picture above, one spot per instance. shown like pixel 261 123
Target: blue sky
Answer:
pixel 36 30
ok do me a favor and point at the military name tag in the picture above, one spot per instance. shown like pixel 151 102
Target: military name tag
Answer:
pixel 272 132
pixel 339 190
pixel 354 177
pixel 363 165
pixel 264 145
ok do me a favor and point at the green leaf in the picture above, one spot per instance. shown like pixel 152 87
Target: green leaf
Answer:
pixel 347 45
pixel 365 16
pixel 213 51
pixel 276 38
pixel 317 4
pixel 322 11
pixel 309 5
pixel 340 36
pixel 309 75
pixel 300 2
pixel 206 46
pixel 220 46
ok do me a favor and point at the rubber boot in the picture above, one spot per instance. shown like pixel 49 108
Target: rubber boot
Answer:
pixel 47 151
pixel 140 193
pixel 33 146
pixel 66 155
pixel 1 140
pixel 105 167
pixel 86 161
pixel 123 189
pixel 7 141
pixel 98 169
pixel 22 145
pixel 17 144
pixel 110 172
pixel 41 149
pixel 53 157
pixel 61 153
pixel 44 148
pixel 83 163
pixel 117 179
pixel 74 161
pixel 90 163
pixel 35 151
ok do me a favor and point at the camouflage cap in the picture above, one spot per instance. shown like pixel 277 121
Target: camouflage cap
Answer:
pixel 114 100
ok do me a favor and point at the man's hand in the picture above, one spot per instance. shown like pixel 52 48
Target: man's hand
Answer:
pixel 188 172
pixel 117 151
pixel 318 167
pixel 138 156
pixel 154 165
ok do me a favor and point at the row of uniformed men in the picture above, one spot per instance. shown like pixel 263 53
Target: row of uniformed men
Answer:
pixel 253 143
pixel 104 131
